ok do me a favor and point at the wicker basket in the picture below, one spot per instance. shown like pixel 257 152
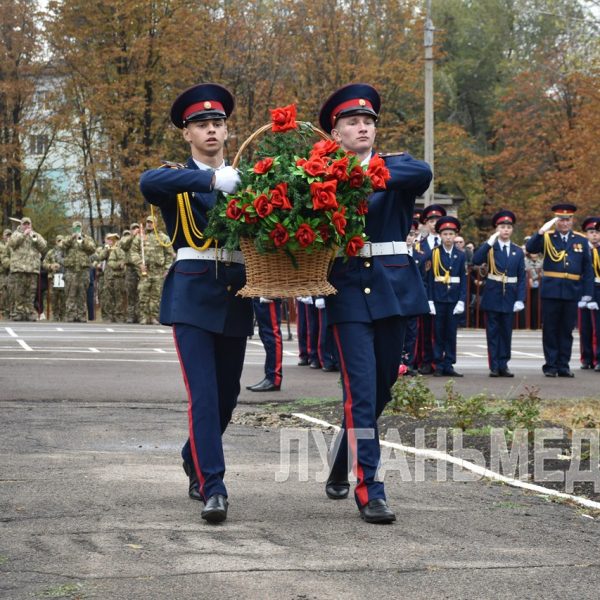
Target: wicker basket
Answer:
pixel 275 274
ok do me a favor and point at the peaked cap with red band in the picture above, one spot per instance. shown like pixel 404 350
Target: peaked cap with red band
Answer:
pixel 444 223
pixel 591 223
pixel 352 99
pixel 504 217
pixel 200 103
pixel 433 210
pixel 564 210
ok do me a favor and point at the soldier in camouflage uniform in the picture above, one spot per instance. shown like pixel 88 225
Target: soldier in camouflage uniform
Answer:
pixel 78 249
pixel 26 249
pixel 112 298
pixel 152 264
pixel 4 273
pixel 132 278
pixel 54 263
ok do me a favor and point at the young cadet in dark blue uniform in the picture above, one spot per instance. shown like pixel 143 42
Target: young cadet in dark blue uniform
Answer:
pixel 589 317
pixel 377 291
pixel 504 291
pixel 268 318
pixel 447 292
pixel 428 242
pixel 210 323
pixel 566 279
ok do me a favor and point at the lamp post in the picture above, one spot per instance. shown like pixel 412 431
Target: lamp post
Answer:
pixel 428 43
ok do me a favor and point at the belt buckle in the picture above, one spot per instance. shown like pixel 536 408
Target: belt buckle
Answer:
pixel 367 250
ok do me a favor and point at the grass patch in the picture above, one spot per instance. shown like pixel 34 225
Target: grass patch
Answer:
pixel 66 590
pixel 572 412
pixel 303 403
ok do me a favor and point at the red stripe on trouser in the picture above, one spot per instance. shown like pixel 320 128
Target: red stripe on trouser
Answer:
pixel 581 340
pixel 276 329
pixel 361 489
pixel 485 317
pixel 319 341
pixel 594 338
pixel 309 349
pixel 190 419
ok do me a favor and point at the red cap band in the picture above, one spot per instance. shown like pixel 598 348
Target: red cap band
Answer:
pixel 202 106
pixel 357 103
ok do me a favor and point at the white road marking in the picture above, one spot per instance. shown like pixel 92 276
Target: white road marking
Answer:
pixel 11 332
pixel 94 350
pixel 25 345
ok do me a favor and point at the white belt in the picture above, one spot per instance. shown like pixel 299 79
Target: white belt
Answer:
pixel 441 279
pixel 502 278
pixel 220 254
pixel 381 249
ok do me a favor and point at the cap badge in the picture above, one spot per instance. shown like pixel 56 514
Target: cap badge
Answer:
pixel 207 104
pixel 361 102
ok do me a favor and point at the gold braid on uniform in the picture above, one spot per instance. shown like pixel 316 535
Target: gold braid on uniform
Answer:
pixel 551 252
pixel 596 261
pixel 493 270
pixel 438 267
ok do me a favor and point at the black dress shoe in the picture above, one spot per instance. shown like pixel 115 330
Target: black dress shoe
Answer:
pixel 506 373
pixel 215 510
pixel 194 489
pixel 586 366
pixel 377 511
pixel 550 373
pixel 303 362
pixel 266 385
pixel 411 373
pixel 315 364
pixel 452 373
pixel 494 373
pixel 426 370
pixel 566 373
pixel 337 490
pixel 438 373
pixel 330 369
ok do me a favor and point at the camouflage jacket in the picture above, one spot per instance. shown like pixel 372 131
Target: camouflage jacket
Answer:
pixel 54 261
pixel 77 250
pixel 113 260
pixel 4 258
pixel 157 257
pixel 26 252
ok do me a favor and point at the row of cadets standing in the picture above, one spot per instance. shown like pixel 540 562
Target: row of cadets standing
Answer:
pixel 504 290
pixel 567 279
pixel 589 314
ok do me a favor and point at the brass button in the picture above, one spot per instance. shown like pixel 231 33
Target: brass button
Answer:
pixel 228 288
pixel 367 290
pixel 367 263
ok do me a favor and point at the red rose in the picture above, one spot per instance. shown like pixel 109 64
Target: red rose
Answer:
pixel 300 162
pixel 338 169
pixel 315 166
pixel 262 166
pixel 262 206
pixel 357 176
pixel 284 118
pixel 247 217
pixel 279 198
pixel 354 245
pixel 233 210
pixel 305 235
pixel 324 232
pixel 279 235
pixel 378 172
pixel 324 147
pixel 362 208
pixel 339 221
pixel 323 195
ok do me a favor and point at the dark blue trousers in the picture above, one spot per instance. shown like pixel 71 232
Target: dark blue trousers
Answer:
pixel 307 327
pixel 212 366
pixel 369 356
pixel 426 330
pixel 410 342
pixel 268 318
pixel 445 331
pixel 589 332
pixel 325 345
pixel 498 330
pixel 558 321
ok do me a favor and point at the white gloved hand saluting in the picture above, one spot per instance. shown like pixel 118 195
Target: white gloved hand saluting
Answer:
pixel 431 307
pixel 226 180
pixel 592 306
pixel 518 306
pixel 320 303
pixel 459 309
pixel 492 239
pixel 547 226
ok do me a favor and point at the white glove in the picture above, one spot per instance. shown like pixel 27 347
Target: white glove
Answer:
pixel 459 309
pixel 592 305
pixel 227 180
pixel 431 307
pixel 305 299
pixel 492 239
pixel 265 300
pixel 547 226
pixel 320 303
pixel 582 304
pixel 586 299
pixel 518 306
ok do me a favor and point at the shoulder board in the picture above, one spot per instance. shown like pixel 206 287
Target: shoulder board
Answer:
pixel 580 234
pixel 387 154
pixel 172 165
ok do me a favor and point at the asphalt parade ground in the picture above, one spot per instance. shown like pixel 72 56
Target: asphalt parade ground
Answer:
pixel 93 500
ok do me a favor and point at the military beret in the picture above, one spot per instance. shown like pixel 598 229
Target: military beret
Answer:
pixel 351 99
pixel 200 103
pixel 446 222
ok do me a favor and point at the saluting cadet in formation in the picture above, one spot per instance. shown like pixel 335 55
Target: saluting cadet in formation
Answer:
pixel 210 323
pixel 447 293
pixel 268 319
pixel 378 291
pixel 589 314
pixel 567 279
pixel 26 248
pixel 152 256
pixel 504 291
